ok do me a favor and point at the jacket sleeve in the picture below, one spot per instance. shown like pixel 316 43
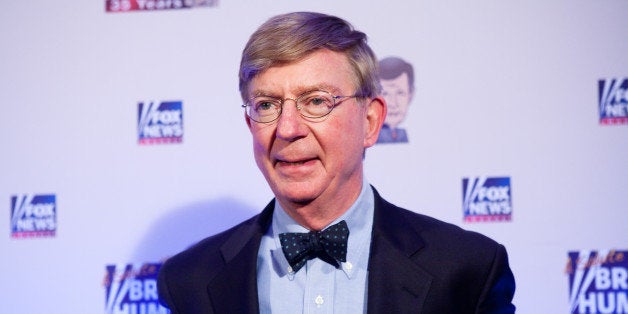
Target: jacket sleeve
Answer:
pixel 499 289
pixel 164 293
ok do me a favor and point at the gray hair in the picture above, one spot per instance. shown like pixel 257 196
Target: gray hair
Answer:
pixel 290 37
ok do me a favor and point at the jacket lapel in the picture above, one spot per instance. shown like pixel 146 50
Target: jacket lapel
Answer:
pixel 234 289
pixel 396 284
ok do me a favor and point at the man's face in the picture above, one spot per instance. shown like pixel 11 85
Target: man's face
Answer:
pixel 398 95
pixel 306 160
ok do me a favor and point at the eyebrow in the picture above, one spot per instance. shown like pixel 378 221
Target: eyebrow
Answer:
pixel 298 91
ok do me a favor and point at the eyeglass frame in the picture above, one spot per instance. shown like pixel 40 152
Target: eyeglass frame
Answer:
pixel 282 101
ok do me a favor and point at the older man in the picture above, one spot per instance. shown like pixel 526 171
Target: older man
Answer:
pixel 328 242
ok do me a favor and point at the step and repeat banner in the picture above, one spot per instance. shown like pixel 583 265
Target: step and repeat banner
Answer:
pixel 124 141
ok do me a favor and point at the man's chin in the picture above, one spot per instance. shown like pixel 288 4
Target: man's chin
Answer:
pixel 297 197
pixel 302 199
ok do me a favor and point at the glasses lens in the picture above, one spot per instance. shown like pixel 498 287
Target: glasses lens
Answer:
pixel 315 104
pixel 263 109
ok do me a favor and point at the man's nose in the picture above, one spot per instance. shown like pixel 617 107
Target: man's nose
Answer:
pixel 290 124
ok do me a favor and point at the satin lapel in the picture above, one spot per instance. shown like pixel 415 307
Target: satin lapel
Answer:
pixel 234 289
pixel 396 284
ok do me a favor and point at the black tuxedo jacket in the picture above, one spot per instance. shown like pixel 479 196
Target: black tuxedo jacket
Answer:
pixel 417 265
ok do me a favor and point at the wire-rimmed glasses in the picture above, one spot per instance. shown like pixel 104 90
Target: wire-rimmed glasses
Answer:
pixel 313 105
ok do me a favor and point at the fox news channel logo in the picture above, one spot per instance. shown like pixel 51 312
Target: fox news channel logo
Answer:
pixel 160 123
pixel 598 281
pixel 153 5
pixel 132 289
pixel 613 100
pixel 486 199
pixel 33 215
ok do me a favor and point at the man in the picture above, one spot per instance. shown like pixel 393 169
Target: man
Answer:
pixel 328 242
pixel 397 80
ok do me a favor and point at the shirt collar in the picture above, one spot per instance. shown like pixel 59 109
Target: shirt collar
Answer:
pixel 359 218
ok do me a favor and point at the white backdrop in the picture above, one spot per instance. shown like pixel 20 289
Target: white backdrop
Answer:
pixel 503 89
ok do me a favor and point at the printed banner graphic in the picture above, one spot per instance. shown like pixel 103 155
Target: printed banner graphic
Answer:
pixel 159 124
pixel 152 5
pixel 486 199
pixel 33 215
pixel 132 289
pixel 613 101
pixel 598 281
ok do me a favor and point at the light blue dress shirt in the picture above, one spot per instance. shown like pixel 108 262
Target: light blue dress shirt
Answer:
pixel 318 287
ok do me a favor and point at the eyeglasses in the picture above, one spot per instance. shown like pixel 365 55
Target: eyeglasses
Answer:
pixel 313 104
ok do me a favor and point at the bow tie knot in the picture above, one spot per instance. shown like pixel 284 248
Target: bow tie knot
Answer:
pixel 330 245
pixel 314 245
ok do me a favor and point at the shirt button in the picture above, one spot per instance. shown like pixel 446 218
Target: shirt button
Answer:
pixel 348 266
pixel 319 300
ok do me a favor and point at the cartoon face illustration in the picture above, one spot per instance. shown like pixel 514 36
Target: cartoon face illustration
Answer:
pixel 397 80
pixel 398 95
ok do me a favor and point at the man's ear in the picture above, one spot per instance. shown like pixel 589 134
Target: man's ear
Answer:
pixel 248 120
pixel 375 115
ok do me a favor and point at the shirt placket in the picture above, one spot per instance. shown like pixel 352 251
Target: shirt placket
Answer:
pixel 319 287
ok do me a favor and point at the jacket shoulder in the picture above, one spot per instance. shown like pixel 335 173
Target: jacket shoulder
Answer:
pixel 461 271
pixel 447 233
pixel 200 257
pixel 184 278
pixel 441 243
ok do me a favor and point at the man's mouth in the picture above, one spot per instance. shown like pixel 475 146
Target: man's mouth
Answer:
pixel 300 162
pixel 294 162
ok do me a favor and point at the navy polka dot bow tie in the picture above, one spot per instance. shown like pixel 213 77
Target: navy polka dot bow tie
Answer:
pixel 330 245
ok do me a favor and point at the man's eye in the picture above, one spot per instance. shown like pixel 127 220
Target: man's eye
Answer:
pixel 318 101
pixel 264 106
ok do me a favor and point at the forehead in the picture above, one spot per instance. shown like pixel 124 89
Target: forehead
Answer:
pixel 401 81
pixel 321 70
